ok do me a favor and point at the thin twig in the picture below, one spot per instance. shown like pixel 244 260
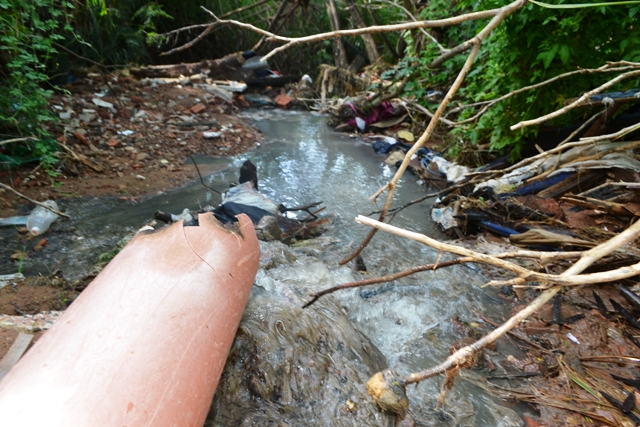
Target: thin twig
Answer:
pixel 19 194
pixel 582 126
pixel 613 136
pixel 488 104
pixel 26 138
pixel 200 175
pixel 441 48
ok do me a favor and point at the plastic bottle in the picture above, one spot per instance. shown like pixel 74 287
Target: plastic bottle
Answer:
pixel 41 218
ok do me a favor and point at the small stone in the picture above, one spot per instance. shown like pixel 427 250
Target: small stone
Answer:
pixel 164 161
pixel 129 148
pixel 65 115
pixel 113 142
pixel 139 114
pixel 140 177
pixel 141 156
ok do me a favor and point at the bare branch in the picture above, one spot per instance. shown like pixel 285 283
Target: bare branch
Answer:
pixel 26 138
pixel 576 103
pixel 294 41
pixel 499 16
pixel 488 104
pixel 582 126
pixel 463 357
pixel 542 256
pixel 523 273
pixel 192 42
pixel 613 136
pixel 242 9
pixel 414 19
pixel 425 111
pixel 35 202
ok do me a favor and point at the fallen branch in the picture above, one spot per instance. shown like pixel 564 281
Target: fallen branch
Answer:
pixel 428 113
pixel 378 385
pixel 577 102
pixel 542 256
pixel 613 136
pixel 19 194
pixel 488 104
pixel 524 274
pixel 26 138
pixel 581 128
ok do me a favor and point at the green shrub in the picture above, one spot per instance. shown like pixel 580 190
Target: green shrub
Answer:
pixel 28 31
pixel 530 46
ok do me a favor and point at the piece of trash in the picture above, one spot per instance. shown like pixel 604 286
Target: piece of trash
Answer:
pixel 41 218
pixel 140 177
pixel 6 279
pixel 573 338
pixel 126 132
pixel 100 103
pixel 40 245
pixel 13 220
pixel 406 135
pixel 211 135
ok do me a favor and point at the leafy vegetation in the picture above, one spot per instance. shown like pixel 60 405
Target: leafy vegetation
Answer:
pixel 532 45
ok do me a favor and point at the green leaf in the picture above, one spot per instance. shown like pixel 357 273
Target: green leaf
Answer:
pixel 563 53
pixel 584 385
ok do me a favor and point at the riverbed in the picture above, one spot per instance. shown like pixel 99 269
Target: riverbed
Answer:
pixel 408 325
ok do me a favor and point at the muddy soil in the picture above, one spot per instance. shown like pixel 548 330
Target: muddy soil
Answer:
pixel 140 146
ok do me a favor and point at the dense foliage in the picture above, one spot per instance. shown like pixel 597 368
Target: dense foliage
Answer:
pixel 532 45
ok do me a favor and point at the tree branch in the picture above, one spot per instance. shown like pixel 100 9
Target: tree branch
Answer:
pixel 35 202
pixel 464 357
pixel 577 102
pixel 488 104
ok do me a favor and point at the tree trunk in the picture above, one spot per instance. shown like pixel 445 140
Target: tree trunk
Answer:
pixel 369 41
pixel 339 53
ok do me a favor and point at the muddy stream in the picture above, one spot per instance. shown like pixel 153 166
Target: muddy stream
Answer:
pixel 290 366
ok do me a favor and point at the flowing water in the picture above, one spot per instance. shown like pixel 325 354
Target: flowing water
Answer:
pixel 406 325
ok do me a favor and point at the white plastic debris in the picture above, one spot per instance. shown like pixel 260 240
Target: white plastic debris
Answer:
pixel 211 135
pixel 573 338
pixel 100 103
pixel 185 215
pixel 10 278
pixel 126 132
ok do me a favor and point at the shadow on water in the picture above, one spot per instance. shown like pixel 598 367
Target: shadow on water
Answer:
pixel 303 161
